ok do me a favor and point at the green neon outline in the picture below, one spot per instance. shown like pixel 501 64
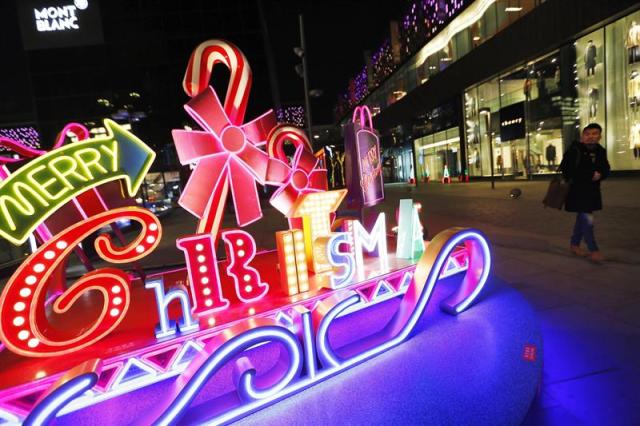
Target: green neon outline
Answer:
pixel 113 132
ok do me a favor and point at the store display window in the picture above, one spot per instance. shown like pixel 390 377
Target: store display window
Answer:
pixel 526 116
pixel 590 68
pixel 435 151
pixel 622 67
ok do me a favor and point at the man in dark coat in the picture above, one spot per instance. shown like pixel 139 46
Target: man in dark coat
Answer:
pixel 584 166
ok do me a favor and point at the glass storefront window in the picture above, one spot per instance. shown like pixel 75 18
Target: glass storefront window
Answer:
pixel 533 99
pixel 435 151
pixel 590 71
pixel 594 79
pixel 622 68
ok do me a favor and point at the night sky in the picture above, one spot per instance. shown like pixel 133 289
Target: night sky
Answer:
pixel 147 45
pixel 337 34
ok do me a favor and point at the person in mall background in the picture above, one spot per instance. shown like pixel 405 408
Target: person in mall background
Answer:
pixel 584 166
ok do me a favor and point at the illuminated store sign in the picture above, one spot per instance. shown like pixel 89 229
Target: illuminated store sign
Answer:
pixel 48 24
pixel 512 123
pixel 57 18
pixel 111 332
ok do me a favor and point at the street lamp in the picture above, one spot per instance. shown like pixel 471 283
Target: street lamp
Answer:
pixel 487 113
pixel 301 52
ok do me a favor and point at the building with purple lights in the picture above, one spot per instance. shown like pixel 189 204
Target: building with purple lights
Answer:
pixel 458 83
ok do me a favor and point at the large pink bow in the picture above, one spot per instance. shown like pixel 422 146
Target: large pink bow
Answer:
pixel 226 155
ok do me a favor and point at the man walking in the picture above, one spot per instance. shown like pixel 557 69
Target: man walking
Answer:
pixel 584 166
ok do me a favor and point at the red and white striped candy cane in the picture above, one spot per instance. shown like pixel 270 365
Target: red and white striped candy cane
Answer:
pixel 282 133
pixel 198 74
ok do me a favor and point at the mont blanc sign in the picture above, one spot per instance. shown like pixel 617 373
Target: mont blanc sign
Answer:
pixel 61 18
pixel 59 23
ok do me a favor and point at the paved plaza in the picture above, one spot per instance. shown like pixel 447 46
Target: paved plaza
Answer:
pixel 588 313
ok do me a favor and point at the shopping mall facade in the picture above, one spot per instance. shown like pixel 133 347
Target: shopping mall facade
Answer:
pixel 511 83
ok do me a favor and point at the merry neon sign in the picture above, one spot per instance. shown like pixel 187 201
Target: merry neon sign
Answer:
pixel 321 270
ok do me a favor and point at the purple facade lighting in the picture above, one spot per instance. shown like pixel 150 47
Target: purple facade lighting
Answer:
pixel 28 135
pixel 424 18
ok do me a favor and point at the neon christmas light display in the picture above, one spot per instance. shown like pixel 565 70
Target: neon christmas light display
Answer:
pixel 321 270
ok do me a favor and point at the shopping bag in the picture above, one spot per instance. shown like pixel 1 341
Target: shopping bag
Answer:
pixel 556 193
pixel 363 163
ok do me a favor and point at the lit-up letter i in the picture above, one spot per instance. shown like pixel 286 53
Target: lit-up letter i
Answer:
pixel 315 209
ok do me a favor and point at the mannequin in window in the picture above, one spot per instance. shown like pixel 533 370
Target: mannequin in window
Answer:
pixel 542 85
pixel 590 58
pixel 634 140
pixel 550 155
pixel 634 90
pixel 527 89
pixel 499 163
pixel 633 42
pixel 594 97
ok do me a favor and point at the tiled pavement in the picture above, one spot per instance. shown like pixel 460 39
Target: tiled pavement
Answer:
pixel 589 314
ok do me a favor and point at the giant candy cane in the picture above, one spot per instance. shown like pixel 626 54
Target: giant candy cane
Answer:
pixel 24 327
pixel 198 74
pixel 227 152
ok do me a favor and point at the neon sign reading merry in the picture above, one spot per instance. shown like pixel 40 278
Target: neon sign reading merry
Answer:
pixel 38 189
pixel 321 269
